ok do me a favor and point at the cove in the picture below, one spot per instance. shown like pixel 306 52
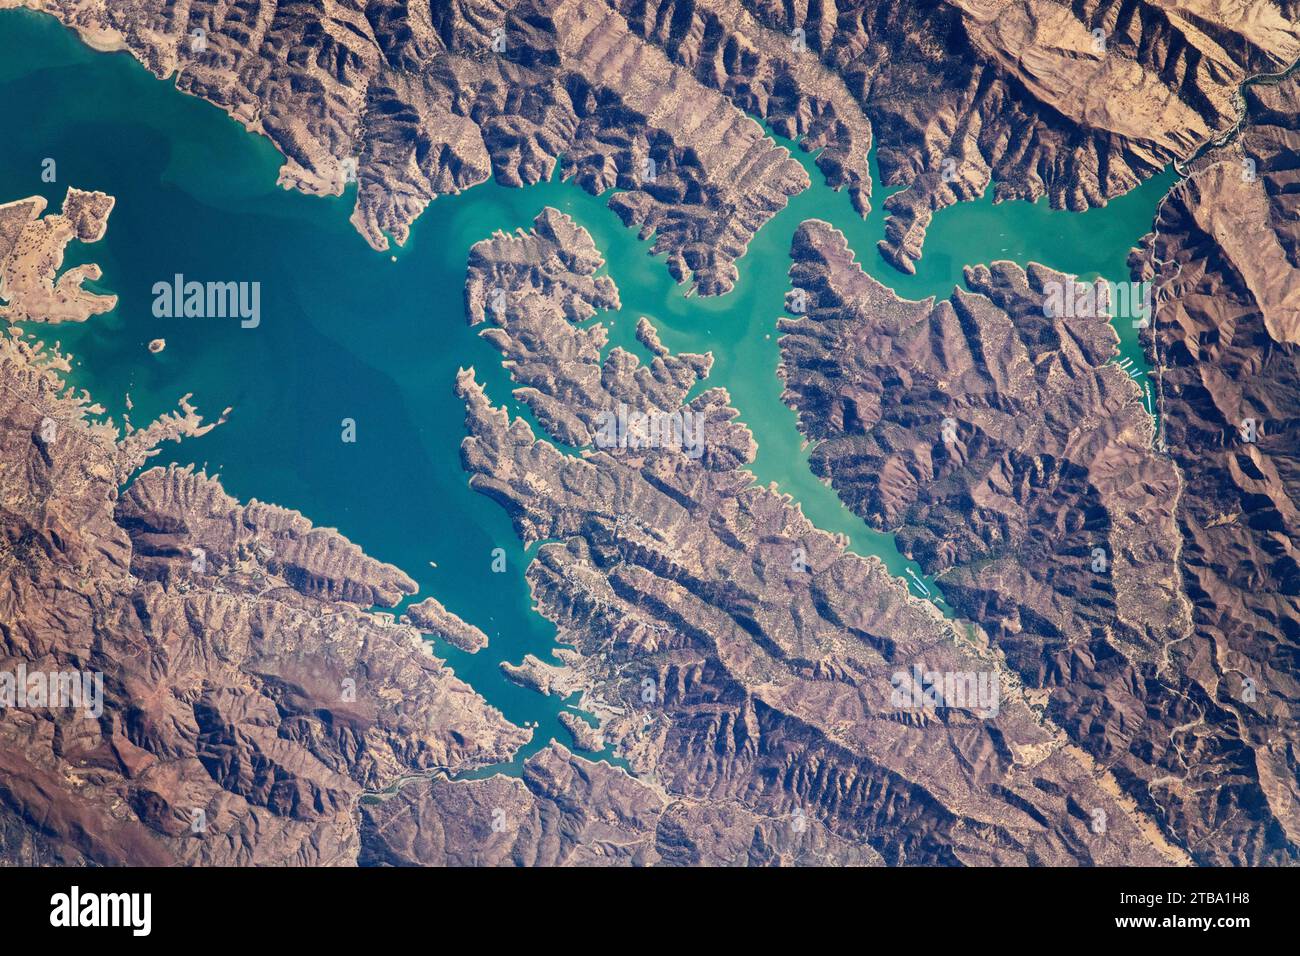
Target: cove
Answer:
pixel 348 333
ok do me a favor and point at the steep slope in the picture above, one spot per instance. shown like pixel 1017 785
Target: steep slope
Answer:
pixel 1077 102
pixel 1172 660
pixel 235 697
pixel 734 653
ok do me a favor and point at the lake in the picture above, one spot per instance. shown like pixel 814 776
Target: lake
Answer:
pixel 347 332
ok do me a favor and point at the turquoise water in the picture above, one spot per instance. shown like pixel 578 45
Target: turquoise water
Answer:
pixel 350 333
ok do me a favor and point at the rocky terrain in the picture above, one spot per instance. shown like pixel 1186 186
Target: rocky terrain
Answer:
pixel 735 654
pixel 1169 660
pixel 1077 102
pixel 413 102
pixel 250 708
pixel 31 257
pixel 1224 254
pixel 542 677
pixel 564 811
pixel 248 698
pixel 1126 587
pixel 430 617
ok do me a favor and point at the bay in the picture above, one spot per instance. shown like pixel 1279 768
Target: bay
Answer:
pixel 349 333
